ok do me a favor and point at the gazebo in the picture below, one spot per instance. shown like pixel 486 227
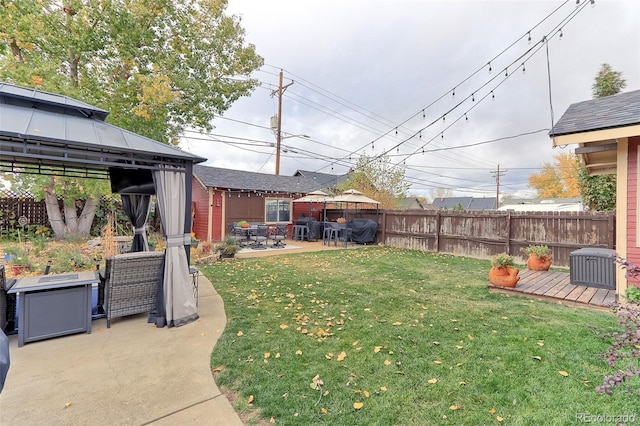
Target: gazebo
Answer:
pixel 45 133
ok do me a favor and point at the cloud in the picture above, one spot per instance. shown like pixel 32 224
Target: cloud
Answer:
pixel 363 69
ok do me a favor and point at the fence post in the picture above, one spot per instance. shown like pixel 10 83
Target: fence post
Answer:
pixel 437 236
pixel 508 244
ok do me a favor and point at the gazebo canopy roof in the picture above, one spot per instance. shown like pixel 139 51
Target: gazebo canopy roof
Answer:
pixel 44 133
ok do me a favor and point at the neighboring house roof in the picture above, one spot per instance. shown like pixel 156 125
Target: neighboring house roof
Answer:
pixel 543 204
pixel 467 203
pixel 609 112
pixel 411 204
pixel 325 180
pixel 215 177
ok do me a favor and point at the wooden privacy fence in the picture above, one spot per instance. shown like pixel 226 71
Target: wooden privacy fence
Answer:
pixel 483 234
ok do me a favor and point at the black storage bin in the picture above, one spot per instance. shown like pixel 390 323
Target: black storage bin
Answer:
pixel 593 267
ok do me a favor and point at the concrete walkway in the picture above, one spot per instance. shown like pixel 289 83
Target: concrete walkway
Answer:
pixel 130 374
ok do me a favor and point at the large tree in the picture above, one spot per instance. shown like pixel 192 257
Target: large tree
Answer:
pixel 158 66
pixel 558 180
pixel 377 178
pixel 608 82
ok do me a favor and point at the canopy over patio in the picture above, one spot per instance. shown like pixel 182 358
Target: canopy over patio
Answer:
pixel 51 134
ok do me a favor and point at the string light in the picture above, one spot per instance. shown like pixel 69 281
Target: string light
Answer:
pixel 473 97
pixel 444 117
pixel 529 38
pixel 489 67
pixel 560 31
pixel 396 130
pixel 465 117
pixel 523 68
pixel 492 95
pixel 423 116
pixel 420 134
pixel 506 72
pixel 442 135
pixel 453 94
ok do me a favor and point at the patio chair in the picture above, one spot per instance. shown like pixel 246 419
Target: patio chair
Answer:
pixel 129 283
pixel 238 234
pixel 279 236
pixel 259 236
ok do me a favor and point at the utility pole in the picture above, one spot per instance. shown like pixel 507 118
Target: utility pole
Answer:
pixel 279 92
pixel 496 174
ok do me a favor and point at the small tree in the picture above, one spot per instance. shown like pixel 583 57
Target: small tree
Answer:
pixel 377 178
pixel 559 179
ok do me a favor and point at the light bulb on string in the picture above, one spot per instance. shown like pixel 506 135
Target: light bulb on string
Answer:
pixel 473 97
pixel 465 117
pixel 444 117
pixel 442 135
pixel 506 72
pixel 423 116
pixel 560 31
pixel 396 131
pixel 420 134
pixel 422 150
pixel 493 96
pixel 398 150
pixel 490 69
pixel 453 94
pixel 523 68
pixel 529 38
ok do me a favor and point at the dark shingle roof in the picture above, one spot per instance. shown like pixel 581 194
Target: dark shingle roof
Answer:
pixel 214 177
pixel 609 112
pixel 325 180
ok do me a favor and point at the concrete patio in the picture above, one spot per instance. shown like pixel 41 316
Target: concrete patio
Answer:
pixel 130 374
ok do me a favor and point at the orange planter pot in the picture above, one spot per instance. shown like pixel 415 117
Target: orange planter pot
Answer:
pixel 504 277
pixel 536 263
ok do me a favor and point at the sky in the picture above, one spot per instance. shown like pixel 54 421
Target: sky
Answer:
pixel 451 91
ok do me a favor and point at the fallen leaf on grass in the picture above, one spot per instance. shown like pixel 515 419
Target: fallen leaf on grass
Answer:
pixel 283 326
pixel 397 323
pixel 341 356
pixel 376 349
pixel 455 407
pixel 432 381
pixel 358 405
pixel 492 411
pixel 498 418
pixel 537 358
pixel 366 394
pixel 239 333
pixel 329 355
pixel 563 373
pixel 250 400
pixel 383 388
pixel 272 420
pixel 437 362
pixel 324 410
pixel 298 352
pixel 387 362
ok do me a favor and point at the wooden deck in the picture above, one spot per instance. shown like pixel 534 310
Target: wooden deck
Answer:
pixel 555 287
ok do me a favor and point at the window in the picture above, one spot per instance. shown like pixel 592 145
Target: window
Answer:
pixel 277 210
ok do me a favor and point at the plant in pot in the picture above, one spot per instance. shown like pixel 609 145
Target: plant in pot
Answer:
pixel 502 272
pixel 539 257
pixel 20 264
pixel 11 252
pixel 228 248
pixel 244 224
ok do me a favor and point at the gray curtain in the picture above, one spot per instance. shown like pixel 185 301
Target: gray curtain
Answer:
pixel 179 305
pixel 136 207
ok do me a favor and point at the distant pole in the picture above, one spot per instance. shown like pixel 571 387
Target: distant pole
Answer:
pixel 279 92
pixel 279 130
pixel 497 173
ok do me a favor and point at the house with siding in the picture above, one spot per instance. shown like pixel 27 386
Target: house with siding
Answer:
pixel 223 196
pixel 607 133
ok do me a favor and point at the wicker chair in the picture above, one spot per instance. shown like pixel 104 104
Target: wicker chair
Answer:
pixel 7 303
pixel 129 284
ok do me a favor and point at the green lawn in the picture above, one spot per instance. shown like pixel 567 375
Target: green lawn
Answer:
pixel 400 337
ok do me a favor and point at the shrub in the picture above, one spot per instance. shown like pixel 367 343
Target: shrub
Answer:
pixel 502 260
pixel 543 252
